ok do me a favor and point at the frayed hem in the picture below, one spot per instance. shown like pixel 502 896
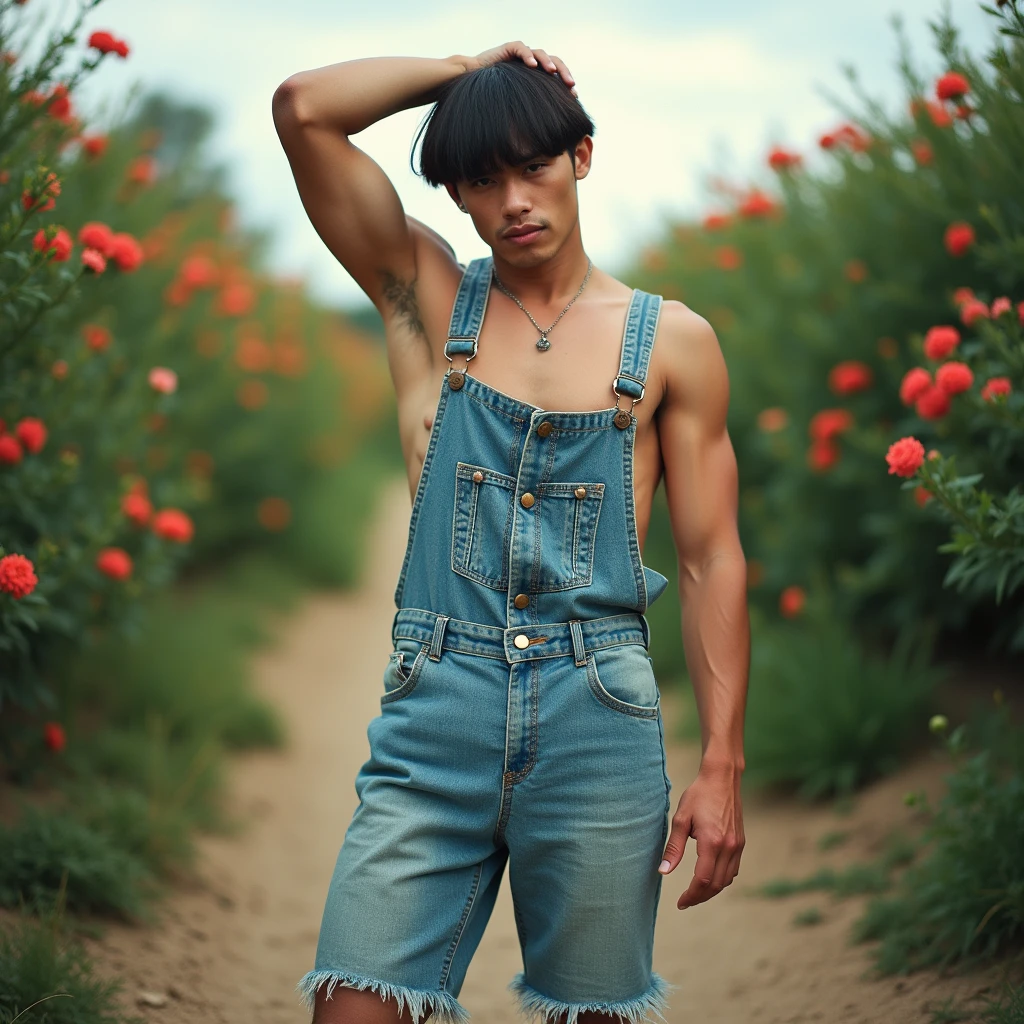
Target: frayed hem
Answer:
pixel 533 1004
pixel 445 1008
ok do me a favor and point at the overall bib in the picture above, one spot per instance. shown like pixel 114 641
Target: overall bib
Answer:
pixel 520 716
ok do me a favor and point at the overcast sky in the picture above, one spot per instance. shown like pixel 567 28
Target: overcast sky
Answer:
pixel 679 90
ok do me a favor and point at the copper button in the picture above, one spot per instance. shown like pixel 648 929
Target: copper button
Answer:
pixel 526 500
pixel 456 380
pixel 477 476
pixel 521 600
pixel 544 429
pixel 580 492
pixel 521 641
pixel 622 419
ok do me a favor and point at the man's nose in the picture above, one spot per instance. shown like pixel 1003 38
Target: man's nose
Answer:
pixel 515 202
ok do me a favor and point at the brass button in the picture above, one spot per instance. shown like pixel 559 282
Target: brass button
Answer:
pixel 580 492
pixel 622 419
pixel 477 476
pixel 544 429
pixel 522 641
pixel 526 500
pixel 456 380
pixel 521 600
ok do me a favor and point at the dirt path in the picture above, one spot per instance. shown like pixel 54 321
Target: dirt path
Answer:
pixel 233 948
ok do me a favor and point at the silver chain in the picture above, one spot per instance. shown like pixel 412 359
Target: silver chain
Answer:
pixel 542 342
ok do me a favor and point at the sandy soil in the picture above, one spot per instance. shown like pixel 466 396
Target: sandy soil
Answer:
pixel 232 946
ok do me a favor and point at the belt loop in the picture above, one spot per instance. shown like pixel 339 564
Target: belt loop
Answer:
pixel 579 652
pixel 435 643
pixel 646 630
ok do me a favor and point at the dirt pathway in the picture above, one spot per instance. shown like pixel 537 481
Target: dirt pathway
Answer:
pixel 233 948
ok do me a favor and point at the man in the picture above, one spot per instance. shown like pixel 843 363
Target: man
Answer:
pixel 520 718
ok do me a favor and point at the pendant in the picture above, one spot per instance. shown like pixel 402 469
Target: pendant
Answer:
pixel 543 344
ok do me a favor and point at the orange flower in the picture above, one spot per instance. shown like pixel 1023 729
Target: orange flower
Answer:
pixel 792 601
pixel 716 221
pixel 728 257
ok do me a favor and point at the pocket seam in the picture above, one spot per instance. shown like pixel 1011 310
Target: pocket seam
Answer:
pixel 463 476
pixel 409 683
pixel 606 698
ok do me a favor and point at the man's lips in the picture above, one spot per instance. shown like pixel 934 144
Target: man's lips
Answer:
pixel 524 233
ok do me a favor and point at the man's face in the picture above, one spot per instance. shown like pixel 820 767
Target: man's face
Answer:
pixel 525 213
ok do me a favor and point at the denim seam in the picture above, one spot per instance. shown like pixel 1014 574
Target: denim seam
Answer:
pixel 415 671
pixel 456 938
pixel 606 698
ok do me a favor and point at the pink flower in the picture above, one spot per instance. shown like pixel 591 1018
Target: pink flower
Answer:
pixel 162 379
pixel 94 260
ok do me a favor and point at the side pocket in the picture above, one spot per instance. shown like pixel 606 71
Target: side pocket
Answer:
pixel 405 663
pixel 622 678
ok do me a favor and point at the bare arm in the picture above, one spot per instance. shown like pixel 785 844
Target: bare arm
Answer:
pixel 701 487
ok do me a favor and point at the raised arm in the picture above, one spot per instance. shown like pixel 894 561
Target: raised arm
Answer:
pixel 701 487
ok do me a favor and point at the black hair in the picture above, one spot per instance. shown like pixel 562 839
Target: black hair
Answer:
pixel 498 116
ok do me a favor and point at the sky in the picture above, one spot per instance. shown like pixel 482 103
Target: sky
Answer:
pixel 679 91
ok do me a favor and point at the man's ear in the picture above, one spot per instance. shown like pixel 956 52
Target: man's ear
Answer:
pixel 582 155
pixel 454 193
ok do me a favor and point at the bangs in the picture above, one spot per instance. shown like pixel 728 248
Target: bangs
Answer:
pixel 498 116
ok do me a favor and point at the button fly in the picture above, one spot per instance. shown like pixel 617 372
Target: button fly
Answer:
pixel 544 429
pixel 527 500
pixel 521 600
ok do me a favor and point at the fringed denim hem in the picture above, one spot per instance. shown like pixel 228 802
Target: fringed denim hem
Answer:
pixel 533 1004
pixel 445 1008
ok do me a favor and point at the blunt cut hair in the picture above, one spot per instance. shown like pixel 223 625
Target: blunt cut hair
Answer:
pixel 498 116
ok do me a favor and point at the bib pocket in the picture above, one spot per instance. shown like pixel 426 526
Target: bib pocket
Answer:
pixel 405 663
pixel 482 524
pixel 569 513
pixel 622 678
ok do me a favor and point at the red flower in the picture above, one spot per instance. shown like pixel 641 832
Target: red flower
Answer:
pixel 173 524
pixel 114 562
pixel 954 377
pixel 822 455
pixel 94 260
pixel 973 309
pixel 54 736
pixel 923 152
pixel 10 450
pixel 142 170
pixel 236 299
pixel 716 221
pixel 951 86
pixel 780 159
pixel 96 235
pixel 940 341
pixel 137 507
pixel 107 42
pixel 17 575
pixel 922 495
pixel 962 295
pixel 932 404
pixel 845 135
pixel 1000 306
pixel 905 456
pixel 50 189
pixel 915 382
pixel 728 257
pixel 125 251
pixel 59 245
pixel 826 423
pixel 756 204
pixel 792 600
pixel 60 106
pixel 849 376
pixel 163 379
pixel 994 387
pixel 94 145
pixel 198 272
pixel 959 238
pixel 97 337
pixel 940 116
pixel 31 432
pixel 1020 313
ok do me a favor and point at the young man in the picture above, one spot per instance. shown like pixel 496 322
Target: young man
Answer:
pixel 520 718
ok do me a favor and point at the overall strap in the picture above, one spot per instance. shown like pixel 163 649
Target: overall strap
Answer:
pixel 468 310
pixel 637 343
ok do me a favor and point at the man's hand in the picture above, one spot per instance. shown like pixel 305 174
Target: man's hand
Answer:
pixel 710 811
pixel 535 58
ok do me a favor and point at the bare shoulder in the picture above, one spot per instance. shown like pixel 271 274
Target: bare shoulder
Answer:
pixel 689 364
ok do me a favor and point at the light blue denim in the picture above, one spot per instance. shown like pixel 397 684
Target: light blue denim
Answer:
pixel 548 754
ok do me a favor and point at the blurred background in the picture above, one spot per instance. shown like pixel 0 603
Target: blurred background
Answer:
pixel 201 483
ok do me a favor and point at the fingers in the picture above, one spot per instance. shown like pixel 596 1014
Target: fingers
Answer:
pixel 718 862
pixel 554 65
pixel 681 824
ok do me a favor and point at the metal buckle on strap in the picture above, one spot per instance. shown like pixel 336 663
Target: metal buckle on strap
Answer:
pixel 460 337
pixel 618 394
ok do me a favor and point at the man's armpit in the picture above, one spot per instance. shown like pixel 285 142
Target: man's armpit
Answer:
pixel 400 295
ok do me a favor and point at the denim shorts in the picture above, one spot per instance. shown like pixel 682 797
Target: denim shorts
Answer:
pixel 549 757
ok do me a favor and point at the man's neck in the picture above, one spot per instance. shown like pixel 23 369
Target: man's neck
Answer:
pixel 550 283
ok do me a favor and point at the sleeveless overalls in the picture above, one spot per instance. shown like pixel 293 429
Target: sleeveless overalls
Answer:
pixel 520 719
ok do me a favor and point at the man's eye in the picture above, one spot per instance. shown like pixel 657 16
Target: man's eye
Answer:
pixel 530 167
pixel 481 181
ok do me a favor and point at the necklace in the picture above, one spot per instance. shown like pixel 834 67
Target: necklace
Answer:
pixel 542 342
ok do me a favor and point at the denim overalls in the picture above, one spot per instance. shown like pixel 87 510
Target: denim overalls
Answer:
pixel 520 717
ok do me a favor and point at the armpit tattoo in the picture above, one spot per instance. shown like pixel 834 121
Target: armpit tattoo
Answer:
pixel 402 296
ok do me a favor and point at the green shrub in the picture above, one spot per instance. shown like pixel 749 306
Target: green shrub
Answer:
pixel 964 902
